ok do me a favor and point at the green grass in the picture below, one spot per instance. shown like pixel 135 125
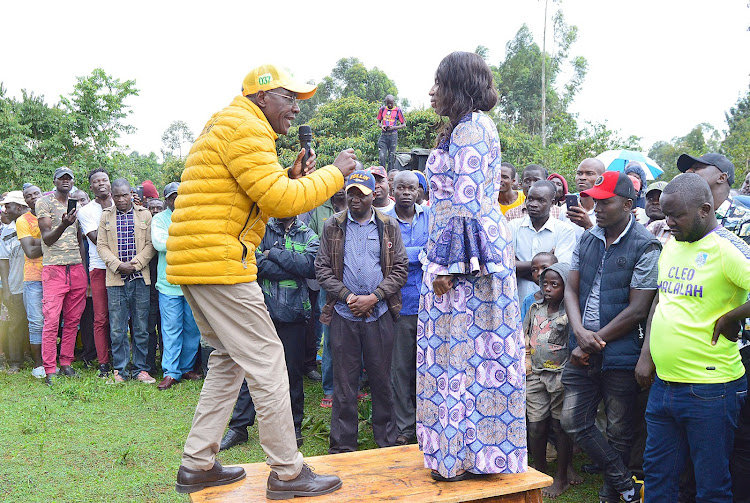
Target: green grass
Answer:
pixel 88 441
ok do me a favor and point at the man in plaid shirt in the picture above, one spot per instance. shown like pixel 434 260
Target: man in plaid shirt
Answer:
pixel 124 244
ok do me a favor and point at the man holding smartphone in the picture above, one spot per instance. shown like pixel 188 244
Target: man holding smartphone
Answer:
pixel 63 276
pixel 580 210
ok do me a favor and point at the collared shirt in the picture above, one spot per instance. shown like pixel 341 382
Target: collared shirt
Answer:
pixel 126 250
pixel 362 271
pixel 645 275
pixel 527 242
pixel 414 234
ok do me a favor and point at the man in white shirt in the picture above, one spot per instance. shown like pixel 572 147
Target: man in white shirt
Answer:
pixel 89 217
pixel 537 232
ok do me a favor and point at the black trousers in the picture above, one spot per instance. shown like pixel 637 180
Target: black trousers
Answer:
pixel 87 332
pixel 311 334
pixel 154 325
pixel 404 376
pixel 350 341
pixel 292 336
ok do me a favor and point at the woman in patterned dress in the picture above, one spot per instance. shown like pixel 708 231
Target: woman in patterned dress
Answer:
pixel 470 352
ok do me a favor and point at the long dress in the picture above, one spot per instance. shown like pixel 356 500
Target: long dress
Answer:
pixel 471 396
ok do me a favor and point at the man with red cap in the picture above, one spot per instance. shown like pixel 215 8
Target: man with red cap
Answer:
pixel 607 298
pixel 231 185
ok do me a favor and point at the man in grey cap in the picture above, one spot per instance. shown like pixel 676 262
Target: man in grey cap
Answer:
pixel 180 334
pixel 63 276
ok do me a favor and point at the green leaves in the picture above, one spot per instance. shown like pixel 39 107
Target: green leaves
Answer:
pixel 81 131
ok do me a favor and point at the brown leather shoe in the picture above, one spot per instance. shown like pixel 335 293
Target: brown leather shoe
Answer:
pixel 167 383
pixel 189 480
pixel 307 483
pixel 192 376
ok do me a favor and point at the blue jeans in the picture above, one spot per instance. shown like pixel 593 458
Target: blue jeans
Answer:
pixel 32 301
pixel 130 301
pixel 698 420
pixel 180 336
pixel 585 387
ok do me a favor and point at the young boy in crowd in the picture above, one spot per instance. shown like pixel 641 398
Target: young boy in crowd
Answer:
pixel 540 262
pixel 546 329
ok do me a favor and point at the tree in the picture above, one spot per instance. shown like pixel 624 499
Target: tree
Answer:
pixel 177 134
pixel 699 140
pixel 519 75
pixel 350 77
pixel 97 109
pixel 736 145
pixel 337 125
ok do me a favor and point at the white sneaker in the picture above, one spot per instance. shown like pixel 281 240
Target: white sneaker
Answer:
pixel 38 372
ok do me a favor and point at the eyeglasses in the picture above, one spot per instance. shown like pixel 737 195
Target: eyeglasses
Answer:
pixel 292 99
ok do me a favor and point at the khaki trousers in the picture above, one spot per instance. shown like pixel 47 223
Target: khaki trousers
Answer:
pixel 234 320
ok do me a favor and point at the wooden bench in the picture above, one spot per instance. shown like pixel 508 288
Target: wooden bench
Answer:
pixel 391 474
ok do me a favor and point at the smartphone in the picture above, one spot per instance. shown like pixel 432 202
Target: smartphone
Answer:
pixel 572 200
pixel 72 204
pixel 139 190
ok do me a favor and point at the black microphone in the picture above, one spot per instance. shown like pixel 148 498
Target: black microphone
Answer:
pixel 305 139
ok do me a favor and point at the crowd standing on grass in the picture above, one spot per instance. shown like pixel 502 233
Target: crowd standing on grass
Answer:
pixel 496 311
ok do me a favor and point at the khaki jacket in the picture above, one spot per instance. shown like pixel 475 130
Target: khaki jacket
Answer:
pixel 106 243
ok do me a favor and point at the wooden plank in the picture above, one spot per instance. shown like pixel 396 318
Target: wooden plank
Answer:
pixel 390 474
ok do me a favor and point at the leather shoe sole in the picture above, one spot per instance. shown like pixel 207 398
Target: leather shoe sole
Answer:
pixel 195 480
pixel 287 495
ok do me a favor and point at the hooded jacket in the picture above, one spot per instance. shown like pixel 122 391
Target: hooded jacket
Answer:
pixel 282 273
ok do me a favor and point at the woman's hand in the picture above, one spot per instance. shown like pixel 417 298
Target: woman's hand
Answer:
pixel 443 284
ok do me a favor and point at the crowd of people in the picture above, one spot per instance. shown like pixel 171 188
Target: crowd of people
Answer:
pixel 73 265
pixel 496 312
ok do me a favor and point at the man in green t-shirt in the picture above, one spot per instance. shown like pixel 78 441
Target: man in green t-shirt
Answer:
pixel 690 356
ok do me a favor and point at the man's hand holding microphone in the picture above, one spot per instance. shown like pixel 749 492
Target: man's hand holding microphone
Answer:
pixel 306 159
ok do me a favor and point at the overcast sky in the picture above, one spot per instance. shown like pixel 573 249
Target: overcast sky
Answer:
pixel 656 67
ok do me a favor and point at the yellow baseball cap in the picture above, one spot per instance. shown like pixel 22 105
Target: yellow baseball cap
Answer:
pixel 267 77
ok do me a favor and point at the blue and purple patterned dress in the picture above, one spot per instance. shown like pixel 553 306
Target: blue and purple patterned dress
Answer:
pixel 471 376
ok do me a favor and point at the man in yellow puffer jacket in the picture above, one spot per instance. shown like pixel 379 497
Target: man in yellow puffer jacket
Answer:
pixel 231 185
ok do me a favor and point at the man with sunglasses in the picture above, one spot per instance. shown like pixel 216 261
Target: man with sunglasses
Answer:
pixel 231 185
